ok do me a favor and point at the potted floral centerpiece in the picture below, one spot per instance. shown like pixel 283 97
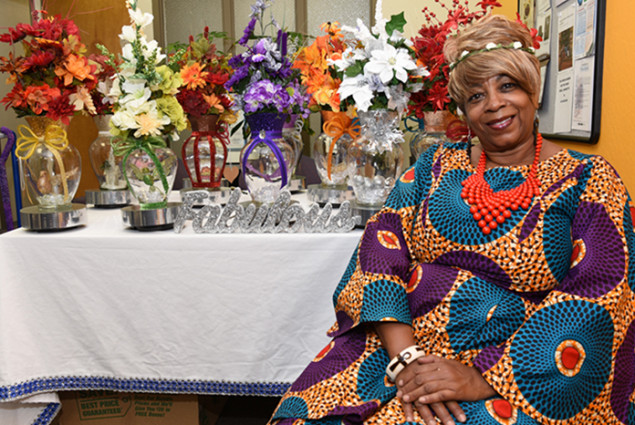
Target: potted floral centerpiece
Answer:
pixel 146 112
pixel 267 90
pixel 322 80
pixel 51 81
pixel 380 73
pixel 204 98
pixel 432 106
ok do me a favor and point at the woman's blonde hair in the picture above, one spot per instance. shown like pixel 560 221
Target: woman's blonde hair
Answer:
pixel 518 64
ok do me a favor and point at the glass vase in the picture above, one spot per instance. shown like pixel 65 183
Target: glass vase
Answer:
pixel 376 157
pixel 430 132
pixel 150 172
pixel 205 151
pixel 331 147
pixel 106 165
pixel 52 167
pixel 266 158
pixel 292 134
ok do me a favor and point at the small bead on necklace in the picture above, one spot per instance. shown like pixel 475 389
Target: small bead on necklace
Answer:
pixel 490 208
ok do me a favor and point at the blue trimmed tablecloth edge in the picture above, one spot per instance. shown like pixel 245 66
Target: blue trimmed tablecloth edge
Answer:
pixel 43 385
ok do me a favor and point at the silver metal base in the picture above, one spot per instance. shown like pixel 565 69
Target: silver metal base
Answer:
pixel 219 196
pixel 296 184
pixel 108 198
pixel 42 220
pixel 364 211
pixel 323 194
pixel 155 219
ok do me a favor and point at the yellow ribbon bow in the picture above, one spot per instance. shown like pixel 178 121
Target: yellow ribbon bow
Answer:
pixel 337 126
pixel 54 138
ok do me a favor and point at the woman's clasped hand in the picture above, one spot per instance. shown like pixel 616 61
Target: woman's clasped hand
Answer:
pixel 431 385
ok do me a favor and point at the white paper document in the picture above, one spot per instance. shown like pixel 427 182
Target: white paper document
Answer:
pixel 564 102
pixel 583 95
pixel 585 29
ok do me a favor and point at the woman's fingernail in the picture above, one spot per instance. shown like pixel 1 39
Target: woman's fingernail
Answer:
pixel 406 398
pixel 462 417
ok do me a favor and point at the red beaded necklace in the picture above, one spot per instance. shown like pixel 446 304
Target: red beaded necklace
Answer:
pixel 491 208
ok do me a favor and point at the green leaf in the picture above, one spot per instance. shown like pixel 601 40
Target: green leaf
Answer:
pixel 200 47
pixel 397 22
pixel 354 69
pixel 136 171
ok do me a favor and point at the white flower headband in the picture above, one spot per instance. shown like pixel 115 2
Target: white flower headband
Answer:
pixel 516 45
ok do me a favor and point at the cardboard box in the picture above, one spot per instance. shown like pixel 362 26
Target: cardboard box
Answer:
pixel 114 408
pixel 210 408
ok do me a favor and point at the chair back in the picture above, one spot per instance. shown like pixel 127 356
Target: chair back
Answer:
pixel 5 196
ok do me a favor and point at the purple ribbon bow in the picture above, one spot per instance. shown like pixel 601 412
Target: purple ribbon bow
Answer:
pixel 267 137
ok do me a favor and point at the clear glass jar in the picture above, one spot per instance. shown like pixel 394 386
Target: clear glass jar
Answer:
pixel 266 158
pixel 376 157
pixel 330 149
pixel 106 165
pixel 433 132
pixel 151 176
pixel 52 167
pixel 205 151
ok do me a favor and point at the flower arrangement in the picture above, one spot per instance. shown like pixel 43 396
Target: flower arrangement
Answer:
pixel 428 46
pixel 145 87
pixel 263 78
pixel 204 71
pixel 54 77
pixel 318 75
pixel 379 69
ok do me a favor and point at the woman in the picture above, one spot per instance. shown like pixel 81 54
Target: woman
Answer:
pixel 495 285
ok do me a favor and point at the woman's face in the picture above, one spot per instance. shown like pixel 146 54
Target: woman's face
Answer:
pixel 500 113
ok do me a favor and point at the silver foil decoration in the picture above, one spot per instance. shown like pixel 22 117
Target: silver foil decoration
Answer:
pixel 282 216
pixel 380 127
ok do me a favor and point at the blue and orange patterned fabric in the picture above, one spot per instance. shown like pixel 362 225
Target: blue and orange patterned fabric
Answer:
pixel 543 306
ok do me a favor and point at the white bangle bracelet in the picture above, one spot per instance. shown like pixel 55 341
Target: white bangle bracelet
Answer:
pixel 403 359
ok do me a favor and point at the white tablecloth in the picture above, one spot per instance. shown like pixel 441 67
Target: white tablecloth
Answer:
pixel 106 307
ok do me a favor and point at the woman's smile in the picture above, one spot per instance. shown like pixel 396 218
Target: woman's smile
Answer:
pixel 500 124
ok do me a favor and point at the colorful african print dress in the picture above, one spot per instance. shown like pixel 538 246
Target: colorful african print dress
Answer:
pixel 543 306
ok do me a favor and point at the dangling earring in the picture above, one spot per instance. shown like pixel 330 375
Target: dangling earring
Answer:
pixel 469 143
pixel 536 125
